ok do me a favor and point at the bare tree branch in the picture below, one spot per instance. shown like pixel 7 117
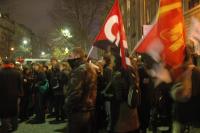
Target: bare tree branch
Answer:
pixel 82 17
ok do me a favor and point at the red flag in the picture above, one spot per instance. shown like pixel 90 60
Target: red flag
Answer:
pixel 167 37
pixel 112 34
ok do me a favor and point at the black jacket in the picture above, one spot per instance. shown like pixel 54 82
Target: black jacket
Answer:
pixel 188 112
pixel 39 79
pixel 11 82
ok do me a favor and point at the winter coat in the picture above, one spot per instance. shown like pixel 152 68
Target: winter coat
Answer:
pixel 126 118
pixel 11 82
pixel 146 86
pixel 161 106
pixel 27 84
pixel 63 79
pixel 54 81
pixel 82 89
pixel 188 112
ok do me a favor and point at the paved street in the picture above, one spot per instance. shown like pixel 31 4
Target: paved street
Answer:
pixel 41 128
pixel 44 128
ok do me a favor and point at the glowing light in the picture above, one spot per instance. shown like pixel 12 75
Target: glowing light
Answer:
pixel 43 53
pixel 66 50
pixel 25 41
pixel 12 49
pixel 66 33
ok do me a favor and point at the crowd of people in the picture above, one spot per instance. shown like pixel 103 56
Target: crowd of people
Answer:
pixel 100 95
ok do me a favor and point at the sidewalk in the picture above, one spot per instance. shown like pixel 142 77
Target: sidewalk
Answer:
pixel 41 128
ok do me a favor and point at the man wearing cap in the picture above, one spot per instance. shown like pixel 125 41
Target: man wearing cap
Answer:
pixel 10 90
pixel 81 94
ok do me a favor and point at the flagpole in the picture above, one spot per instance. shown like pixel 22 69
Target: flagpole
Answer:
pixel 90 52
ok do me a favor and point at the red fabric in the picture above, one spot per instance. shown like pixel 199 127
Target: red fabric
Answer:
pixel 20 59
pixel 169 29
pixel 113 32
pixel 115 28
pixel 8 66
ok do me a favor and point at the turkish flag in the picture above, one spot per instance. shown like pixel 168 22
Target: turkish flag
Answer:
pixel 166 39
pixel 112 35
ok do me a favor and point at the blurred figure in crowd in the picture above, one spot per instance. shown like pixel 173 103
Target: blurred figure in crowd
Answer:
pixel 107 77
pixel 10 90
pixel 40 87
pixel 186 94
pixel 53 76
pixel 80 95
pixel 124 115
pixel 62 81
pixel 146 86
pixel 100 112
pixel 27 97
pixel 159 96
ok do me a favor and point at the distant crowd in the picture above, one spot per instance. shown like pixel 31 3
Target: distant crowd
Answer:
pixel 95 96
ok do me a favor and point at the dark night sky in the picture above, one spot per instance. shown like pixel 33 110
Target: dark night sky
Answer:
pixel 35 14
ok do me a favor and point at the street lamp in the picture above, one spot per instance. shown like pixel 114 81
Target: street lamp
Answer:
pixel 11 52
pixel 25 41
pixel 66 33
pixel 12 49
pixel 66 50
pixel 43 53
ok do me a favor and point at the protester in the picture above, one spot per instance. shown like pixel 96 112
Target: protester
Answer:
pixel 186 94
pixel 26 99
pixel 81 94
pixel 10 90
pixel 63 77
pixel 52 76
pixel 161 109
pixel 161 102
pixel 146 86
pixel 100 112
pixel 107 77
pixel 124 115
pixel 40 88
pixel 56 90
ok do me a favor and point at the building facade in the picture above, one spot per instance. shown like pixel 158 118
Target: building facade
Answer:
pixel 6 34
pixel 16 40
pixel 137 13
